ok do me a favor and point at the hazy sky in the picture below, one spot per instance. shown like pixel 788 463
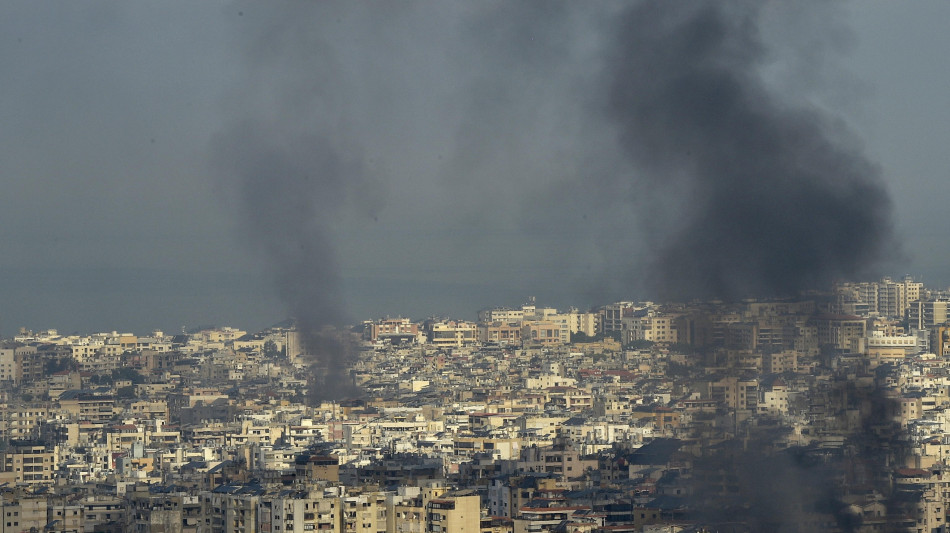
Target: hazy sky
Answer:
pixel 178 164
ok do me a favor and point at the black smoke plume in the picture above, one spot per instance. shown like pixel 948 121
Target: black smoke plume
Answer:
pixel 294 173
pixel 288 190
pixel 743 193
pixel 493 125
pixel 758 197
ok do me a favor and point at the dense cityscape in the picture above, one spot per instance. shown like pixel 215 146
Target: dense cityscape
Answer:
pixel 648 237
pixel 826 412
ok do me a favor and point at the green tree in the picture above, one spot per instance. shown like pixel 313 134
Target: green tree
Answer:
pixel 639 344
pixel 580 336
pixel 128 373
pixel 682 347
pixel 270 350
pixel 58 364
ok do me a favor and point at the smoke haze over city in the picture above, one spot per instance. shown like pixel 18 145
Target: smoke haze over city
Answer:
pixel 241 163
pixel 234 162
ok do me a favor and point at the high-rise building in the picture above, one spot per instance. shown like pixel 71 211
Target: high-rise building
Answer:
pixel 925 314
pixel 885 298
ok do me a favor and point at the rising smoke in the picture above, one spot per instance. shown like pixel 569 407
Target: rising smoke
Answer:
pixel 521 136
pixel 752 195
pixel 423 104
pixel 289 189
pixel 769 199
pixel 293 174
pixel 633 148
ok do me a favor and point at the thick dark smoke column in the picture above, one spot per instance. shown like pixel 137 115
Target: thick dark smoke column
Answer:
pixel 744 194
pixel 289 189
pixel 295 169
pixel 288 162
pixel 757 197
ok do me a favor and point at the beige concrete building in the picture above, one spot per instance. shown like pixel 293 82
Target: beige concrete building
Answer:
pixel 364 513
pixel 391 328
pixel 546 332
pixel 733 392
pixel 886 297
pixel 14 358
pixel 500 332
pixel 501 314
pixel 451 333
pixel 843 332
pixel 581 322
pixel 454 512
pixel 27 464
pixel 661 329
pixel 779 362
pixel 21 422
pixel 23 513
pixel 87 406
pixel 774 398
pixel 926 314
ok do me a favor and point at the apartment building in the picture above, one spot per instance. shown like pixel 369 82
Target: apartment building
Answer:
pixel 454 512
pixel 451 333
pixel 28 464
